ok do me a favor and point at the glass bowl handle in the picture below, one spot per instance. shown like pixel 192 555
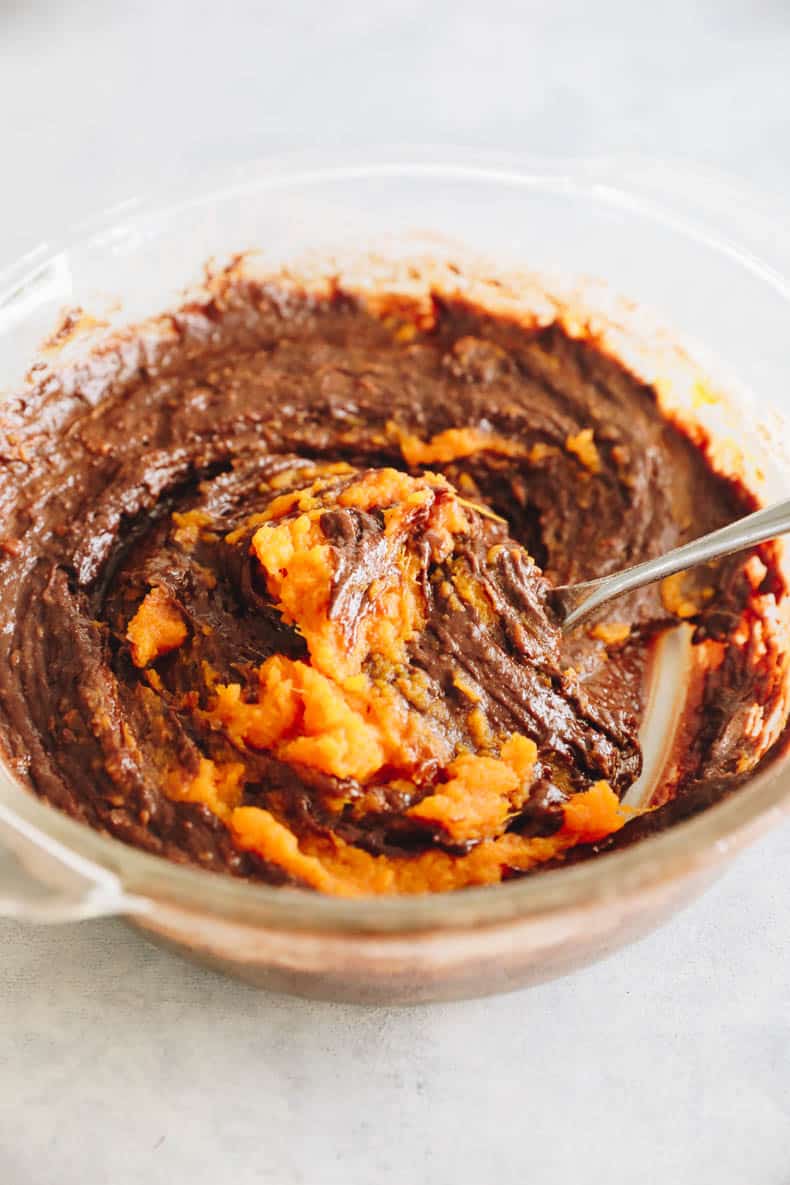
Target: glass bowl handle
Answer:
pixel 41 880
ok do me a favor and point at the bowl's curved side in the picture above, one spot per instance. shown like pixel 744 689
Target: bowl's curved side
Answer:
pixel 416 969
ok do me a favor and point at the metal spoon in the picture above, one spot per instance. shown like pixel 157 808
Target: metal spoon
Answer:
pixel 575 603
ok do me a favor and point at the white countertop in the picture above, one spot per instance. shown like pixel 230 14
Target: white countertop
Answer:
pixel 119 1063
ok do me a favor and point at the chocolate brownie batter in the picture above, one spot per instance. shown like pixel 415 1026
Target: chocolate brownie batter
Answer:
pixel 275 593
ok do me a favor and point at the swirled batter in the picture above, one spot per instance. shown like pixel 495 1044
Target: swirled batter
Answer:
pixel 275 594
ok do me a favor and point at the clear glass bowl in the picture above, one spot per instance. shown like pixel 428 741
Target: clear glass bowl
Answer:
pixel 711 259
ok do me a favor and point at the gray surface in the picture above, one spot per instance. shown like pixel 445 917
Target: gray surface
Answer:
pixel 668 1062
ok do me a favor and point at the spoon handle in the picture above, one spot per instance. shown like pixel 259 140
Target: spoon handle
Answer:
pixel 576 602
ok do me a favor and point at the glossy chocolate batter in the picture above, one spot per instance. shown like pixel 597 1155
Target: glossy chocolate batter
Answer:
pixel 275 594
